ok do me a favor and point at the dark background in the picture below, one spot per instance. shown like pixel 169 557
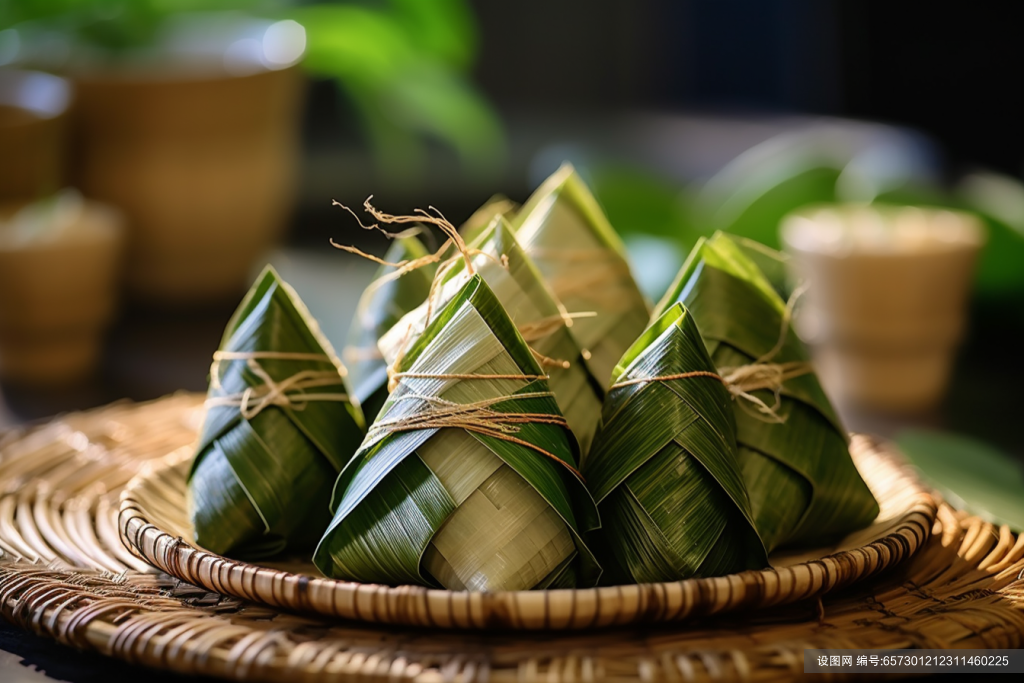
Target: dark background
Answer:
pixel 575 67
pixel 952 70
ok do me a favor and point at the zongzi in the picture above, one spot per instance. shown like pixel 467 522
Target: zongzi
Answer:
pixel 793 450
pixel 467 478
pixel 279 427
pixel 664 471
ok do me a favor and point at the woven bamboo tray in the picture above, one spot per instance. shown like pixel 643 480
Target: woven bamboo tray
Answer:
pixel 154 525
pixel 65 575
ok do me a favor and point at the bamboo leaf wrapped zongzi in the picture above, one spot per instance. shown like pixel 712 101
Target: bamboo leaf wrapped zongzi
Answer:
pixel 279 427
pixel 467 478
pixel 664 471
pixel 563 229
pixel 793 450
pixel 521 290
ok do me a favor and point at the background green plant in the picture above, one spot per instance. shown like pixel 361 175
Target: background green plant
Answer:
pixel 403 64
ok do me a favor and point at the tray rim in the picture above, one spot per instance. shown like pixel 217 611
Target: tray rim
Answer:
pixel 562 609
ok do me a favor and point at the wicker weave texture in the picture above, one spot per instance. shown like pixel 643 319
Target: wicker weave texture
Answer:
pixel 63 575
pixel 153 524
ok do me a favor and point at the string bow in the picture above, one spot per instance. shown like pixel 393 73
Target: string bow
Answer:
pixel 291 392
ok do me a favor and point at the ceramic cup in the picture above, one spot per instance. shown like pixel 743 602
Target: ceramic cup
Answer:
pixel 885 306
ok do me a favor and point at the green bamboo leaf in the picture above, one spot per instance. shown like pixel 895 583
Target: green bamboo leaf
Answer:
pixel 803 485
pixel 664 470
pixel 444 503
pixel 566 233
pixel 260 479
pixel 972 475
pixel 514 279
pixel 380 307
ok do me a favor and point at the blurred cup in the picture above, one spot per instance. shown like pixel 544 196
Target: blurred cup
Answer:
pixel 203 165
pixel 885 307
pixel 33 112
pixel 58 281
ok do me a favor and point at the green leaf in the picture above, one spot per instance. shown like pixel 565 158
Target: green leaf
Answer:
pixel 999 201
pixel 260 482
pixel 429 99
pixel 664 470
pixel 564 231
pixel 381 306
pixel 972 474
pixel 353 43
pixel 443 28
pixel 753 193
pixel 403 67
pixel 443 504
pixel 803 485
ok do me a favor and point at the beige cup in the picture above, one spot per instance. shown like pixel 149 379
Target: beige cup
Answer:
pixel 887 296
pixel 202 166
pixel 57 293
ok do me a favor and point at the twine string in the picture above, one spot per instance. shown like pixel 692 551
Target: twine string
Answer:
pixel 787 316
pixel 548 361
pixel 477 416
pixel 742 380
pixel 431 217
pixel 291 392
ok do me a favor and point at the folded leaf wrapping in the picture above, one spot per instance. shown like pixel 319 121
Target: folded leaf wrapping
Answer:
pixel 803 485
pixel 519 287
pixel 566 233
pixel 279 427
pixel 381 306
pixel 664 471
pixel 467 478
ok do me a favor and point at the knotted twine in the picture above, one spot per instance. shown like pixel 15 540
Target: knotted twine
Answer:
pixel 478 416
pixel 402 267
pixel 291 392
pixel 741 381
